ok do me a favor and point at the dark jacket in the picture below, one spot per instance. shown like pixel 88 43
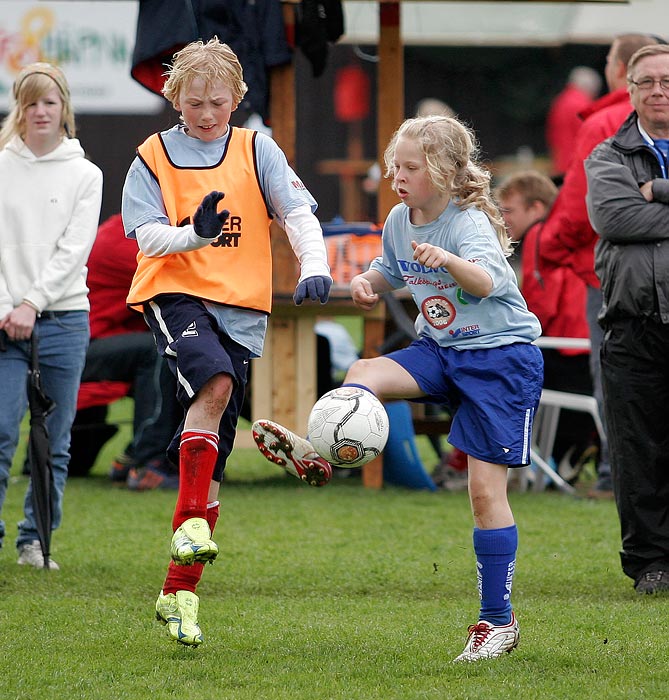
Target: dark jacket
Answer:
pixel 632 255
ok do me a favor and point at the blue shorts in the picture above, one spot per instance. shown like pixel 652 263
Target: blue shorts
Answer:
pixel 492 393
pixel 188 337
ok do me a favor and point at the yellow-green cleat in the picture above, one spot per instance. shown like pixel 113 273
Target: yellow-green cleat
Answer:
pixel 192 542
pixel 179 612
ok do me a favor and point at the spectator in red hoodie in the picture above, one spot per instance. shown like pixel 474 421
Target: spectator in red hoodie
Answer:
pixel 567 237
pixel 563 120
pixel 556 295
pixel 122 360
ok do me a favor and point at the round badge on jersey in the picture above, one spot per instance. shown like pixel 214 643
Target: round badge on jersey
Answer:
pixel 438 311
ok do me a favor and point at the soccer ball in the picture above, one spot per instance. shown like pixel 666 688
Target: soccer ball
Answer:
pixel 348 427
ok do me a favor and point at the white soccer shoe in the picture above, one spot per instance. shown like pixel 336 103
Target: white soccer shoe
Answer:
pixel 295 454
pixel 488 641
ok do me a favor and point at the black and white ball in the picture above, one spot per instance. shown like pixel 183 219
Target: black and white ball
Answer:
pixel 348 427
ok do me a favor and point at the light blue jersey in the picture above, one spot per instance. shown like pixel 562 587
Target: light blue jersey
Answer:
pixel 143 203
pixel 449 315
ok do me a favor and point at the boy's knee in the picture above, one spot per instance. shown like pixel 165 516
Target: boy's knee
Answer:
pixel 218 389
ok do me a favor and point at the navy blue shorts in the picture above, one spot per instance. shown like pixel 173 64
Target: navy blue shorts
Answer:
pixel 492 393
pixel 188 337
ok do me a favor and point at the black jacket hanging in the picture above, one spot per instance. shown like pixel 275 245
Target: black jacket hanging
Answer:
pixel 318 24
pixel 254 29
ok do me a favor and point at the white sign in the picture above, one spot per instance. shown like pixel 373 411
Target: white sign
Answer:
pixel 508 23
pixel 91 41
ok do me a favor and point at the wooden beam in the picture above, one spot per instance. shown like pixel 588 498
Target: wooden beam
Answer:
pixel 390 92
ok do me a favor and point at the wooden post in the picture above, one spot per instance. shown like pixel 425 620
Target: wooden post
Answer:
pixel 389 115
pixel 390 92
pixel 275 392
pixel 282 117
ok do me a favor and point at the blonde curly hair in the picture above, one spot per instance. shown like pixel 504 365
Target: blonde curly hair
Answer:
pixel 450 150
pixel 212 61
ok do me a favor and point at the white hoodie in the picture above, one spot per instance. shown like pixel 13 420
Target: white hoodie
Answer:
pixel 49 214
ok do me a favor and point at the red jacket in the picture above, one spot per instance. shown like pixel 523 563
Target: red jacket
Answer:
pixel 567 237
pixel 554 294
pixel 562 124
pixel 111 265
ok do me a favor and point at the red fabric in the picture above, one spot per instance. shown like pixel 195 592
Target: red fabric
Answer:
pixel 556 295
pixel 111 266
pixel 562 125
pixel 197 458
pixel 567 237
pixel 186 578
pixel 109 277
pixel 100 393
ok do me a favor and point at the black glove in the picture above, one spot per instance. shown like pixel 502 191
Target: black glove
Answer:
pixel 207 222
pixel 317 287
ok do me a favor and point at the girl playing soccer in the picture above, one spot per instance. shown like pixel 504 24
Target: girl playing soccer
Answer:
pixel 447 243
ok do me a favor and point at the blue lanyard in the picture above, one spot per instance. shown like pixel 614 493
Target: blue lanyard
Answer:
pixel 661 148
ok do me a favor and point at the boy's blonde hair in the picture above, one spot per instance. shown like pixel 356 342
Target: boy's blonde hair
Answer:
pixel 450 151
pixel 31 84
pixel 211 61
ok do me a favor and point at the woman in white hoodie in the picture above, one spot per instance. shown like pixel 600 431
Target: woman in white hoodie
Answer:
pixel 49 208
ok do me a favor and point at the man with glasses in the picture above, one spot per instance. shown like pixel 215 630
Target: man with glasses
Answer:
pixel 567 238
pixel 628 204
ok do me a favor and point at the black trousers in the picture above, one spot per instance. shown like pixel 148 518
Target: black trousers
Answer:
pixel 635 379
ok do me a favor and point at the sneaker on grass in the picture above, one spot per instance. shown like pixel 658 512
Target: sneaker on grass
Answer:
pixel 150 478
pixel 192 542
pixel 179 612
pixel 652 582
pixel 120 467
pixel 488 641
pixel 295 454
pixel 31 554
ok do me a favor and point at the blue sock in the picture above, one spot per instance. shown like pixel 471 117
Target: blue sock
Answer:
pixel 495 563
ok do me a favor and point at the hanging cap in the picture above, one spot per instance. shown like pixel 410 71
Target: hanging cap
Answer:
pixel 55 73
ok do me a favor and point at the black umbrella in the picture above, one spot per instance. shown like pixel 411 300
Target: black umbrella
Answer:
pixel 39 453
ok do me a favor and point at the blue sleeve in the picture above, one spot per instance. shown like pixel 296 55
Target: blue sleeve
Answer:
pixel 142 201
pixel 283 189
pixel 478 243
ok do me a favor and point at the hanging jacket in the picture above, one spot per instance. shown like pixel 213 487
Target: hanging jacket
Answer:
pixel 254 31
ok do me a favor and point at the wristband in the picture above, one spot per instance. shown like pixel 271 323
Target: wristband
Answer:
pixel 29 303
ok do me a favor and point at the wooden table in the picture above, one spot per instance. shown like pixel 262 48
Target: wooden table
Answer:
pixel 283 382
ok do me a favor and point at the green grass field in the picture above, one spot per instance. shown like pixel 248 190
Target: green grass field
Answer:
pixel 335 593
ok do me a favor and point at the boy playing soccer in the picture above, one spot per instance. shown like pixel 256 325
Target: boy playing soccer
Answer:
pixel 203 282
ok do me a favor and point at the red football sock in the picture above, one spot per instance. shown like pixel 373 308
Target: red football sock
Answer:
pixel 186 578
pixel 197 458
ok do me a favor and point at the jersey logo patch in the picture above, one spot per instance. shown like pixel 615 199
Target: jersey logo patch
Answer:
pixel 438 311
